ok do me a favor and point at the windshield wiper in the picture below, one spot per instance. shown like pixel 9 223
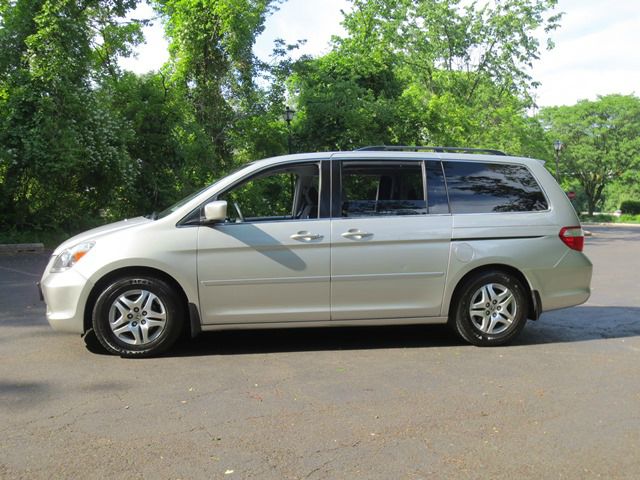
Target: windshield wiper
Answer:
pixel 152 215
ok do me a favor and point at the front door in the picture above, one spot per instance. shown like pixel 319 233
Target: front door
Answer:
pixel 269 262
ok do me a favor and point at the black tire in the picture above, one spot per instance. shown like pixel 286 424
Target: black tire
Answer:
pixel 127 294
pixel 466 325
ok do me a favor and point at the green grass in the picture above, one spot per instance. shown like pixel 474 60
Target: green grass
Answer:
pixel 629 218
pixel 50 239
pixel 606 218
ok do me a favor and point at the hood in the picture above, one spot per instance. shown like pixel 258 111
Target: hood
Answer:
pixel 95 233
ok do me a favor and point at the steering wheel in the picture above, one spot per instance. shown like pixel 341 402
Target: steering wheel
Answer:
pixel 237 207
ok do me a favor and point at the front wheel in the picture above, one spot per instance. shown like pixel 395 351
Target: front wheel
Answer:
pixel 137 316
pixel 491 309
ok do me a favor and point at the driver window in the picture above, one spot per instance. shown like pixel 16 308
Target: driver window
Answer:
pixel 282 193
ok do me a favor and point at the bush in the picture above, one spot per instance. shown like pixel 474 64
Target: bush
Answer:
pixel 630 207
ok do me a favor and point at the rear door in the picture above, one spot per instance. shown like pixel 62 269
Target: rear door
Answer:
pixel 389 247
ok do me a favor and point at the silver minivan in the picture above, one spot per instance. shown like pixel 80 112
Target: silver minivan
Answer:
pixel 380 236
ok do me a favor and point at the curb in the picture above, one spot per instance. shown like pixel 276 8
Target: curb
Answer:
pixel 21 248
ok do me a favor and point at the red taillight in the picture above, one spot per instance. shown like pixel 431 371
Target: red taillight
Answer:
pixel 573 237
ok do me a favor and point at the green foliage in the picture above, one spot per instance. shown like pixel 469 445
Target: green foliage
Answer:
pixel 82 142
pixel 425 72
pixel 344 102
pixel 166 147
pixel 213 64
pixel 631 207
pixel 608 218
pixel 62 149
pixel 602 141
pixel 629 219
pixel 597 218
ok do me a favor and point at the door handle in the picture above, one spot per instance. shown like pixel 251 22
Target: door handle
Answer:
pixel 356 234
pixel 305 236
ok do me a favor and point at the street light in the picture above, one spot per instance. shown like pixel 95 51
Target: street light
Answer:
pixel 288 116
pixel 558 146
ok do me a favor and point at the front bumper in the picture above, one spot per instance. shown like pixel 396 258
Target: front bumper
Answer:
pixel 65 294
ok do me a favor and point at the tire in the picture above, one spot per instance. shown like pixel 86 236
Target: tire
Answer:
pixel 491 309
pixel 138 316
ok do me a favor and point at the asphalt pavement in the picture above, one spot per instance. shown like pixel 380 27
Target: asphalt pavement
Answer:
pixel 347 403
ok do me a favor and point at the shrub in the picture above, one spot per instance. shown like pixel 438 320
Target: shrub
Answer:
pixel 630 207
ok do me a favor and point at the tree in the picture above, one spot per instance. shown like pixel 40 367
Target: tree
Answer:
pixel 345 101
pixel 212 62
pixel 426 72
pixel 63 151
pixel 166 146
pixel 601 138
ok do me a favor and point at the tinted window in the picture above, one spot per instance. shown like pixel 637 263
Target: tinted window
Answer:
pixel 370 189
pixel 436 189
pixel 476 187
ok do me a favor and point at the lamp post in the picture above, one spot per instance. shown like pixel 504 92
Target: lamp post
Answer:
pixel 288 116
pixel 558 146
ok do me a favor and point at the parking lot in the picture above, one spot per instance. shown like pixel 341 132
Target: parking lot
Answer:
pixel 384 402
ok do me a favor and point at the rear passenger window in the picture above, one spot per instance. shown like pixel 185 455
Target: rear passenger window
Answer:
pixel 372 189
pixel 476 187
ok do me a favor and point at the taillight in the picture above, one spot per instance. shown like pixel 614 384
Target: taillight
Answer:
pixel 573 237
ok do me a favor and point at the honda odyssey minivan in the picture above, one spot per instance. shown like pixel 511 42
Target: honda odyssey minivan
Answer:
pixel 380 236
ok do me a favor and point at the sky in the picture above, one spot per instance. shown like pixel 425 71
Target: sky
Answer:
pixel 596 49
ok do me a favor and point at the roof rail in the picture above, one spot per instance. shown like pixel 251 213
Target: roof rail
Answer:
pixel 414 148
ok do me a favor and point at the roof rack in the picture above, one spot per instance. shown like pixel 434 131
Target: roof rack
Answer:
pixel 414 148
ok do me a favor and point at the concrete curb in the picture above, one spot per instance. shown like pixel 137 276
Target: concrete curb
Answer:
pixel 21 248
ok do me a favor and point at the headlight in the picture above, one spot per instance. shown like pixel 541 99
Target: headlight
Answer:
pixel 69 257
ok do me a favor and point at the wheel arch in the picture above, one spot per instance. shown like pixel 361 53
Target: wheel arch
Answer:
pixel 190 310
pixel 533 298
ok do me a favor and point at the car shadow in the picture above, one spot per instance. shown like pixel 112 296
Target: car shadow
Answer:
pixel 583 323
pixel 577 324
pixel 261 341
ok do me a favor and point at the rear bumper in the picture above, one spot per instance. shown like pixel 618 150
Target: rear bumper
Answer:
pixel 65 294
pixel 567 284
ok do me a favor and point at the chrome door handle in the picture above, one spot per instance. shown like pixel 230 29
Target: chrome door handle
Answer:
pixel 305 236
pixel 357 234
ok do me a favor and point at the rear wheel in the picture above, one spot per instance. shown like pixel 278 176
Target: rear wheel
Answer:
pixel 491 309
pixel 137 317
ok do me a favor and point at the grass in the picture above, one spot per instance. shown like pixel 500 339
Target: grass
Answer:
pixel 608 218
pixel 50 239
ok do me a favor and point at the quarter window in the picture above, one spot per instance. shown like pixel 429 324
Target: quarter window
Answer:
pixel 373 189
pixel 476 187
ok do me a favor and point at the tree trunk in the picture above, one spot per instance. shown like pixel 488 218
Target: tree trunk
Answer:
pixel 591 204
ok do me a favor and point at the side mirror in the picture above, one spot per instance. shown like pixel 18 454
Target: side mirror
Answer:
pixel 215 211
